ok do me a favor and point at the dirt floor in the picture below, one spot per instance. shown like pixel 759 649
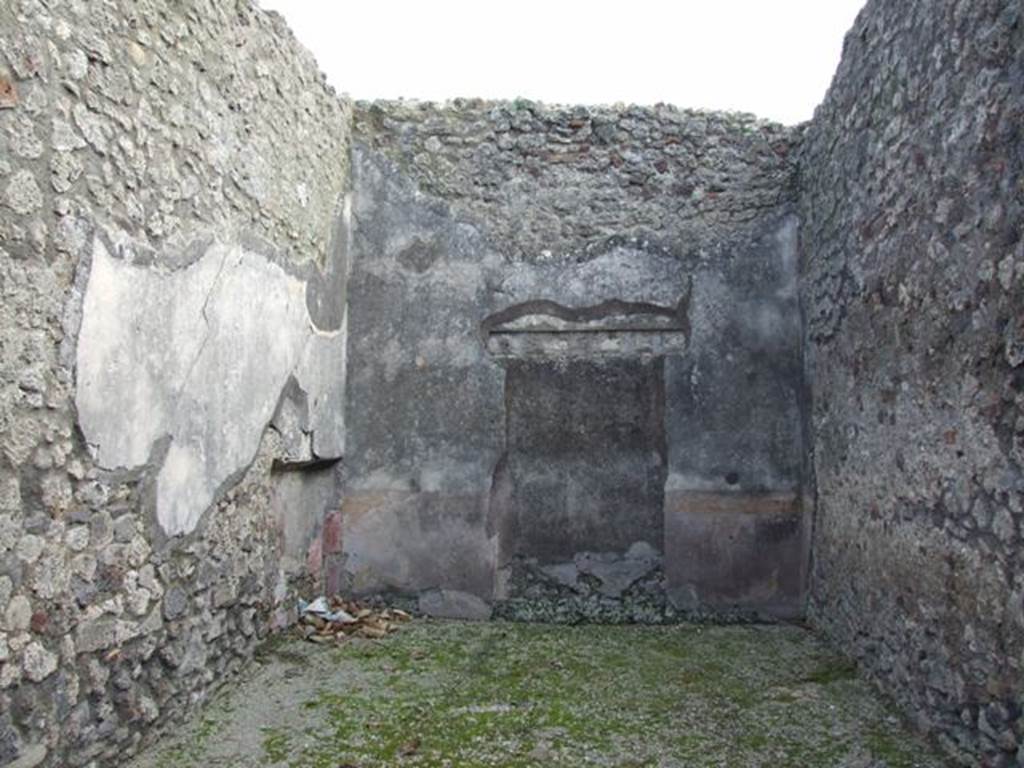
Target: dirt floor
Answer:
pixel 495 694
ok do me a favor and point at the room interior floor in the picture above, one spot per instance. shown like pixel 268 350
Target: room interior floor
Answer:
pixel 442 693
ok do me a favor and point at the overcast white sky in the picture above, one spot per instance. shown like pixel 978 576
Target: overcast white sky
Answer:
pixel 774 59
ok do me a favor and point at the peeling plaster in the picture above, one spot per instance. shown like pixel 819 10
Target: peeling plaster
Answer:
pixel 200 355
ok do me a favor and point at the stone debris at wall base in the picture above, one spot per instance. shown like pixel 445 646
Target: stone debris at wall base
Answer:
pixel 336 619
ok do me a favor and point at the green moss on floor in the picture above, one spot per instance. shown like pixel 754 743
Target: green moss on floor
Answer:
pixel 276 745
pixel 468 695
pixel 832 669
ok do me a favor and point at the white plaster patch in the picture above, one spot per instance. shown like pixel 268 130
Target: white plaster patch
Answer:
pixel 200 355
pixel 321 373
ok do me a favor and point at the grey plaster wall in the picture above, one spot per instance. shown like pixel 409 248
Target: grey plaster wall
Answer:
pixel 571 330
pixel 913 287
pixel 172 358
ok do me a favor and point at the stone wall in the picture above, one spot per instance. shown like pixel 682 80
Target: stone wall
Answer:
pixel 570 380
pixel 172 274
pixel 574 369
pixel 913 287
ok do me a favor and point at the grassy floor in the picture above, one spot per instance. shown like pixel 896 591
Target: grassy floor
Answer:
pixel 466 695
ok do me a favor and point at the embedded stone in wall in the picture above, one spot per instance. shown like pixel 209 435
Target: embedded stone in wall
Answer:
pixel 198 357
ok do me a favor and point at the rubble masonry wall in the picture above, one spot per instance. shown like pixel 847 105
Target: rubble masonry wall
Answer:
pixel 172 195
pixel 913 289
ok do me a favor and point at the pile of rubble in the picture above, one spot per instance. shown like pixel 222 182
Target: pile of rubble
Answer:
pixel 334 620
